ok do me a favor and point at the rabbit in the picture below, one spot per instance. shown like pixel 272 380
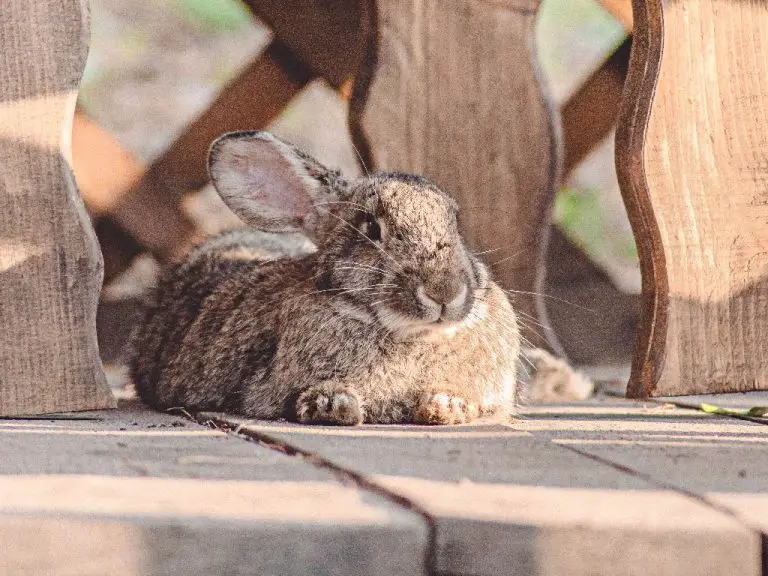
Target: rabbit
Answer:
pixel 391 319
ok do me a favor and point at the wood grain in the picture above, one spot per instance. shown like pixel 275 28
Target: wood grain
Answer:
pixel 691 157
pixel 326 35
pixel 50 265
pixel 451 91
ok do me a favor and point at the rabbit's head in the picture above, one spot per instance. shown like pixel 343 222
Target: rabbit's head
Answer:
pixel 388 244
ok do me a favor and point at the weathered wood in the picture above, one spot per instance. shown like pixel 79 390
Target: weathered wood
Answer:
pixel 691 157
pixel 133 492
pixel 451 91
pixel 50 265
pixel 328 36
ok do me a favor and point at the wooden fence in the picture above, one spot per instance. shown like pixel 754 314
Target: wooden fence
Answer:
pixel 450 89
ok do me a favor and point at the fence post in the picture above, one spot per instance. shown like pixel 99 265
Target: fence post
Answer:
pixel 50 263
pixel 451 90
pixel 692 160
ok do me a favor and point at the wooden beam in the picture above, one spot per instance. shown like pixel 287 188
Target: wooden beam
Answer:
pixel 118 247
pixel 50 264
pixel 105 171
pixel 574 282
pixel 691 150
pixel 590 114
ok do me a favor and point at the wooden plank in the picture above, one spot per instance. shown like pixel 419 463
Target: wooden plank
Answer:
pixel 103 168
pixel 691 163
pixel 451 92
pixel 312 39
pixel 118 247
pixel 151 210
pixel 50 265
pixel 574 282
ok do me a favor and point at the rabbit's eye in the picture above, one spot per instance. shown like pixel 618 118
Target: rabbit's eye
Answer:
pixel 372 228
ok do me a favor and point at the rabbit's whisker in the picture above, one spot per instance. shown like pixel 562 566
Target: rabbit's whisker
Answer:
pixel 343 290
pixel 355 268
pixel 525 359
pixel 361 207
pixel 360 265
pixel 487 251
pixel 506 258
pixel 521 315
pixel 360 158
pixel 510 291
pixel 494 307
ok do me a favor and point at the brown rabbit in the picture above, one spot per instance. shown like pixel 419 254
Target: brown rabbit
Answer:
pixel 391 319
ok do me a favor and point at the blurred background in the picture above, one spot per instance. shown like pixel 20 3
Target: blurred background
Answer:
pixel 154 66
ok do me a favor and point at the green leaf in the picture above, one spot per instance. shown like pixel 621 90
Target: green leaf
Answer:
pixel 215 15
pixel 712 409
pixel 754 411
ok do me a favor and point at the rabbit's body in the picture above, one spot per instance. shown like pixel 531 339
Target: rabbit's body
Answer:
pixel 227 331
pixel 391 319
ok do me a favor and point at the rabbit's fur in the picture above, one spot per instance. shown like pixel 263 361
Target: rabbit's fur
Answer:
pixel 391 319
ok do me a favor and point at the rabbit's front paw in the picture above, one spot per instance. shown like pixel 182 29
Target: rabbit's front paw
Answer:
pixel 443 408
pixel 327 405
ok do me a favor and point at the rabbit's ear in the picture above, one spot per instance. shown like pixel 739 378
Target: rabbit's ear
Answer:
pixel 271 185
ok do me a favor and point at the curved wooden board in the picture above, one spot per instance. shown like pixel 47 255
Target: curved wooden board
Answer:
pixel 450 90
pixel 691 156
pixel 50 264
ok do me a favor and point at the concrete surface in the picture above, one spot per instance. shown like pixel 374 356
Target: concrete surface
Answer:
pixel 509 499
pixel 721 460
pixel 606 487
pixel 134 493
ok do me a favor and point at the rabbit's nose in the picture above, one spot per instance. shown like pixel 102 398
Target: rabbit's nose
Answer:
pixel 449 296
